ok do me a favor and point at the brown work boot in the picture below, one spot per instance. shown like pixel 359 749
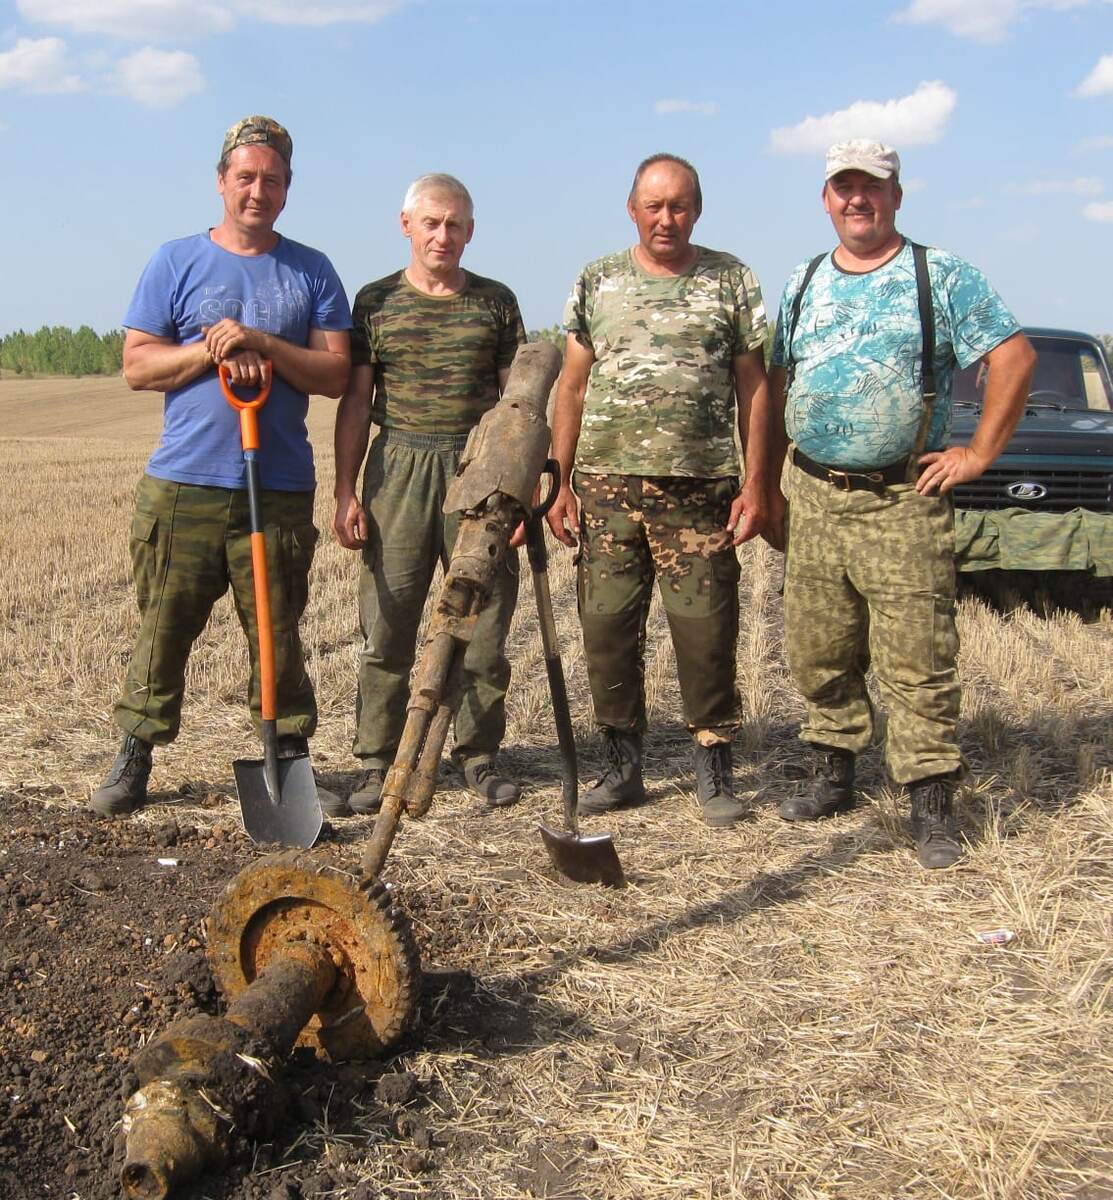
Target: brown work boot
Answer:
pixel 293 745
pixel 124 790
pixel 832 790
pixel 367 795
pixel 933 823
pixel 483 780
pixel 621 781
pixel 715 784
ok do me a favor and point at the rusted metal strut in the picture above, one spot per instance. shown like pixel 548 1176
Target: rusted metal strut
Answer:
pixel 493 491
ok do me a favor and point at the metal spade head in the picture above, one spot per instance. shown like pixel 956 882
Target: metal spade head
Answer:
pixel 584 859
pixel 293 817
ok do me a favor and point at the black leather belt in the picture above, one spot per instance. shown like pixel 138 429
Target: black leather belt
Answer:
pixel 851 481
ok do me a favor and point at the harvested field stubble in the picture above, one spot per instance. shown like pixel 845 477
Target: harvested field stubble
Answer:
pixel 768 1011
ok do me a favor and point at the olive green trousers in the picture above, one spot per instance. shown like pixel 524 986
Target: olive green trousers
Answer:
pixel 188 544
pixel 404 486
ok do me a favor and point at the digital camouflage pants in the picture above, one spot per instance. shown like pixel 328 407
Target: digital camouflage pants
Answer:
pixel 404 485
pixel 634 528
pixel 870 580
pixel 188 543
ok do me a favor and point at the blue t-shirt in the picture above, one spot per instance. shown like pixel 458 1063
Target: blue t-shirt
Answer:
pixel 191 283
pixel 856 397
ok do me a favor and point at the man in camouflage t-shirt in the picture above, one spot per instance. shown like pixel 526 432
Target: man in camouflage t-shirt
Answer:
pixel 431 350
pixel 869 575
pixel 663 361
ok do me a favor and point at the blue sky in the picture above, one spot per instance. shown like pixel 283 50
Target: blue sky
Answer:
pixel 112 114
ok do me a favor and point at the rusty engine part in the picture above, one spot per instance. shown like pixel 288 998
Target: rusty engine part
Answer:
pixel 306 955
pixel 493 489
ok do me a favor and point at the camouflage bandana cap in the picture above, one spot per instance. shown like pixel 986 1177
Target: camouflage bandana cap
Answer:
pixel 259 131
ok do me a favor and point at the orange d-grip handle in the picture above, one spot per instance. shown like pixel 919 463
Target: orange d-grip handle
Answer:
pixel 249 425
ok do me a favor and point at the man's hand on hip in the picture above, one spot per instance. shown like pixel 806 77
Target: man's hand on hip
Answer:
pixel 945 469
pixel 350 523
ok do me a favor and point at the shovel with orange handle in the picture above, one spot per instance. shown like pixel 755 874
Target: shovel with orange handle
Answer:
pixel 278 797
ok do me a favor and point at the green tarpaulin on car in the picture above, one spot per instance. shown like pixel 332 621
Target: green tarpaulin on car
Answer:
pixel 1013 539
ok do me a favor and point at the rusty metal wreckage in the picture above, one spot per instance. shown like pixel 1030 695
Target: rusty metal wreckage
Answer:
pixel 307 954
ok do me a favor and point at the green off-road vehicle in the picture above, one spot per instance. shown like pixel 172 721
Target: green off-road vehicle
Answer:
pixel 1043 513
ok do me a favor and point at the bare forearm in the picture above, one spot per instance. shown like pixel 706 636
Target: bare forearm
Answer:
pixel 568 411
pixel 313 371
pixel 1006 391
pixel 353 428
pixel 155 367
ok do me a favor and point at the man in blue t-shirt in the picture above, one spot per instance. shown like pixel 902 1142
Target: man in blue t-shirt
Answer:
pixel 242 296
pixel 869 572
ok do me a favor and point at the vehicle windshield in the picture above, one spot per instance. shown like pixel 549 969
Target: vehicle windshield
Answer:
pixel 1069 374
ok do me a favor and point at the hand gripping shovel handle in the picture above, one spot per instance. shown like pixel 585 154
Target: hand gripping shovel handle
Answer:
pixel 539 566
pixel 249 437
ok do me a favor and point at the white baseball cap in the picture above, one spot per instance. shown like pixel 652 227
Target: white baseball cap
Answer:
pixel 860 154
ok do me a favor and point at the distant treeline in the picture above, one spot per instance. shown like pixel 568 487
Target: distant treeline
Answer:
pixel 59 350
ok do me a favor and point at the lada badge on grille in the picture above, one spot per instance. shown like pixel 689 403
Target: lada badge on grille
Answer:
pixel 1026 489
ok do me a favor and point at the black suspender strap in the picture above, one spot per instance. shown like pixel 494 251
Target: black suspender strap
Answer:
pixel 927 355
pixel 927 343
pixel 790 362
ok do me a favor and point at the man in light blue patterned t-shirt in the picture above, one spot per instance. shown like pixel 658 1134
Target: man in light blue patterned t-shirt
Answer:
pixel 869 574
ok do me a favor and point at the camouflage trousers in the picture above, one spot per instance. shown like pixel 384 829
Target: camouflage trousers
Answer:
pixel 870 579
pixel 188 543
pixel 404 485
pixel 634 528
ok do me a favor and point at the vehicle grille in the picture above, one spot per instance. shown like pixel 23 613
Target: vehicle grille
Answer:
pixel 1066 489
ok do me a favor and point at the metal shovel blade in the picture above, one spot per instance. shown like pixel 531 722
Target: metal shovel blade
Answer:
pixel 584 859
pixel 293 818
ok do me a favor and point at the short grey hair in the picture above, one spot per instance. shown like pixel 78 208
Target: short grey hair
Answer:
pixel 436 182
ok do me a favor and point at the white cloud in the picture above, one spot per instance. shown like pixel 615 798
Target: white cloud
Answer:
pixel 979 20
pixel 158 78
pixel 913 120
pixel 1103 141
pixel 1099 211
pixel 1099 80
pixel 298 12
pixel 704 108
pixel 910 186
pixel 38 65
pixel 162 20
pixel 1051 187
pixel 136 20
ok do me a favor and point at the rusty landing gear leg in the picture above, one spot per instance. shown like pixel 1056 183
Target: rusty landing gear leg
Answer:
pixel 306 955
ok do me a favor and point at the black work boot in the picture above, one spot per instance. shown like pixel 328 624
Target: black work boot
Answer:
pixel 125 787
pixel 484 780
pixel 293 745
pixel 715 784
pixel 832 789
pixel 621 781
pixel 367 795
pixel 933 823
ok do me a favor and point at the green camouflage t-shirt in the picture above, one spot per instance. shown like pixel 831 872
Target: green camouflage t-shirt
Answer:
pixel 435 358
pixel 660 398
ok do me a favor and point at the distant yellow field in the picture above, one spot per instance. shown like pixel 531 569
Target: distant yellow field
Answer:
pixel 769 1012
pixel 105 408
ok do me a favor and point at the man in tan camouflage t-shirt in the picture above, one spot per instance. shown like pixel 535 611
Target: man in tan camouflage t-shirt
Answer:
pixel 663 360
pixel 431 350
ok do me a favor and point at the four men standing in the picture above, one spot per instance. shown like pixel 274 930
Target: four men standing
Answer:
pixel 663 367
pixel 663 363
pixel 867 343
pixel 241 296
pixel 431 350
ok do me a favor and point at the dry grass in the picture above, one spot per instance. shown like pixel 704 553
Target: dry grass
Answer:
pixel 768 1011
